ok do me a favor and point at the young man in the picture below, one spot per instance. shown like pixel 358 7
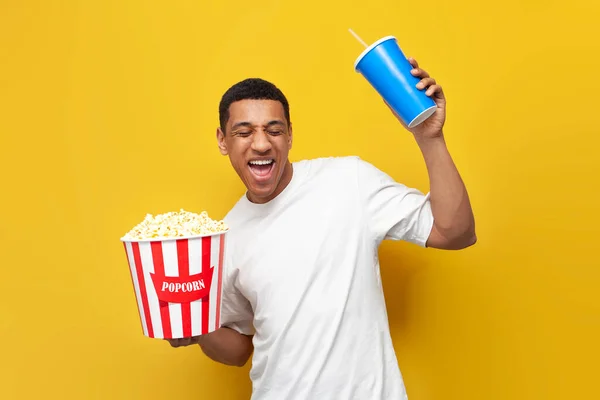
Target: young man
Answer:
pixel 302 286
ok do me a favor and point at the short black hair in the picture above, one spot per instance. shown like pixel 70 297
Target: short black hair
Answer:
pixel 251 89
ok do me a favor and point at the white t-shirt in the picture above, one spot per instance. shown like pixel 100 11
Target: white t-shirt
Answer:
pixel 302 275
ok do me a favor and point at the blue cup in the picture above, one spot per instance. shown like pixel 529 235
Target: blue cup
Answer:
pixel 386 68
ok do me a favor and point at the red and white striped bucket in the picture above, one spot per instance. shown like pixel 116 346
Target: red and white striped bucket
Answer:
pixel 177 284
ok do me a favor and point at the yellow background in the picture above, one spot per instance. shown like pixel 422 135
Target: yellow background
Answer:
pixel 108 111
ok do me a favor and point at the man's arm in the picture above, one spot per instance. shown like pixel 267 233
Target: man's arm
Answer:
pixel 224 345
pixel 454 223
pixel 227 346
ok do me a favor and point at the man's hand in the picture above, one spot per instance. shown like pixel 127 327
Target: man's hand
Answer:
pixel 224 345
pixel 185 341
pixel 432 126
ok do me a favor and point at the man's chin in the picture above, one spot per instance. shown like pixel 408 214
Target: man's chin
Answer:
pixel 261 194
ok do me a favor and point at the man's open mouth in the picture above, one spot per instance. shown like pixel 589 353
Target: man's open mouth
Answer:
pixel 261 169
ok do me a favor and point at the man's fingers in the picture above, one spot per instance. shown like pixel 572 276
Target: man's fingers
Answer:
pixel 425 83
pixel 419 73
pixel 435 90
pixel 184 342
pixel 413 62
pixel 177 342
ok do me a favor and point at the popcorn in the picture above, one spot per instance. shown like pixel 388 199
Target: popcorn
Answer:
pixel 175 224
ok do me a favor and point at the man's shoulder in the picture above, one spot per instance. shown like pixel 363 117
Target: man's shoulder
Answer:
pixel 328 164
pixel 330 160
pixel 342 169
pixel 352 172
pixel 235 211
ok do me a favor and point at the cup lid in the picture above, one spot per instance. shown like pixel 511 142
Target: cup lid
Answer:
pixel 371 47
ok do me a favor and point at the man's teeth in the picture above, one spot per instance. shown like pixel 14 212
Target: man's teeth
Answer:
pixel 261 162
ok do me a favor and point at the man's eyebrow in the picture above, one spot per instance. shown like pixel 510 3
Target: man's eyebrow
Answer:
pixel 275 122
pixel 240 124
pixel 249 125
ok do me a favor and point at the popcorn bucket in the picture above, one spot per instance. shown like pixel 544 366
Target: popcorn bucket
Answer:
pixel 177 283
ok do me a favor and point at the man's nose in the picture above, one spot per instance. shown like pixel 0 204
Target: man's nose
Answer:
pixel 261 142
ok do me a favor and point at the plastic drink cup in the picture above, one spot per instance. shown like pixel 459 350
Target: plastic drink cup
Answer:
pixel 177 283
pixel 385 67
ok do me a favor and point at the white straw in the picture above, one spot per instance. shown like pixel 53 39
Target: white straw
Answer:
pixel 358 38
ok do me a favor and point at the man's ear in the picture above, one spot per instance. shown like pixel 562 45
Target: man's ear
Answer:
pixel 221 142
pixel 290 137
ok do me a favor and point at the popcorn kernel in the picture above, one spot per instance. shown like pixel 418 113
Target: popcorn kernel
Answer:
pixel 175 224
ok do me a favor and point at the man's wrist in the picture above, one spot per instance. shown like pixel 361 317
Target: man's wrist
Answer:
pixel 426 144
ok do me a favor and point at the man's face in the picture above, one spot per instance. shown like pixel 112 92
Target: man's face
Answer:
pixel 257 139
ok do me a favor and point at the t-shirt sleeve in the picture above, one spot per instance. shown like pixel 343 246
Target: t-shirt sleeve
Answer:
pixel 236 310
pixel 393 210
